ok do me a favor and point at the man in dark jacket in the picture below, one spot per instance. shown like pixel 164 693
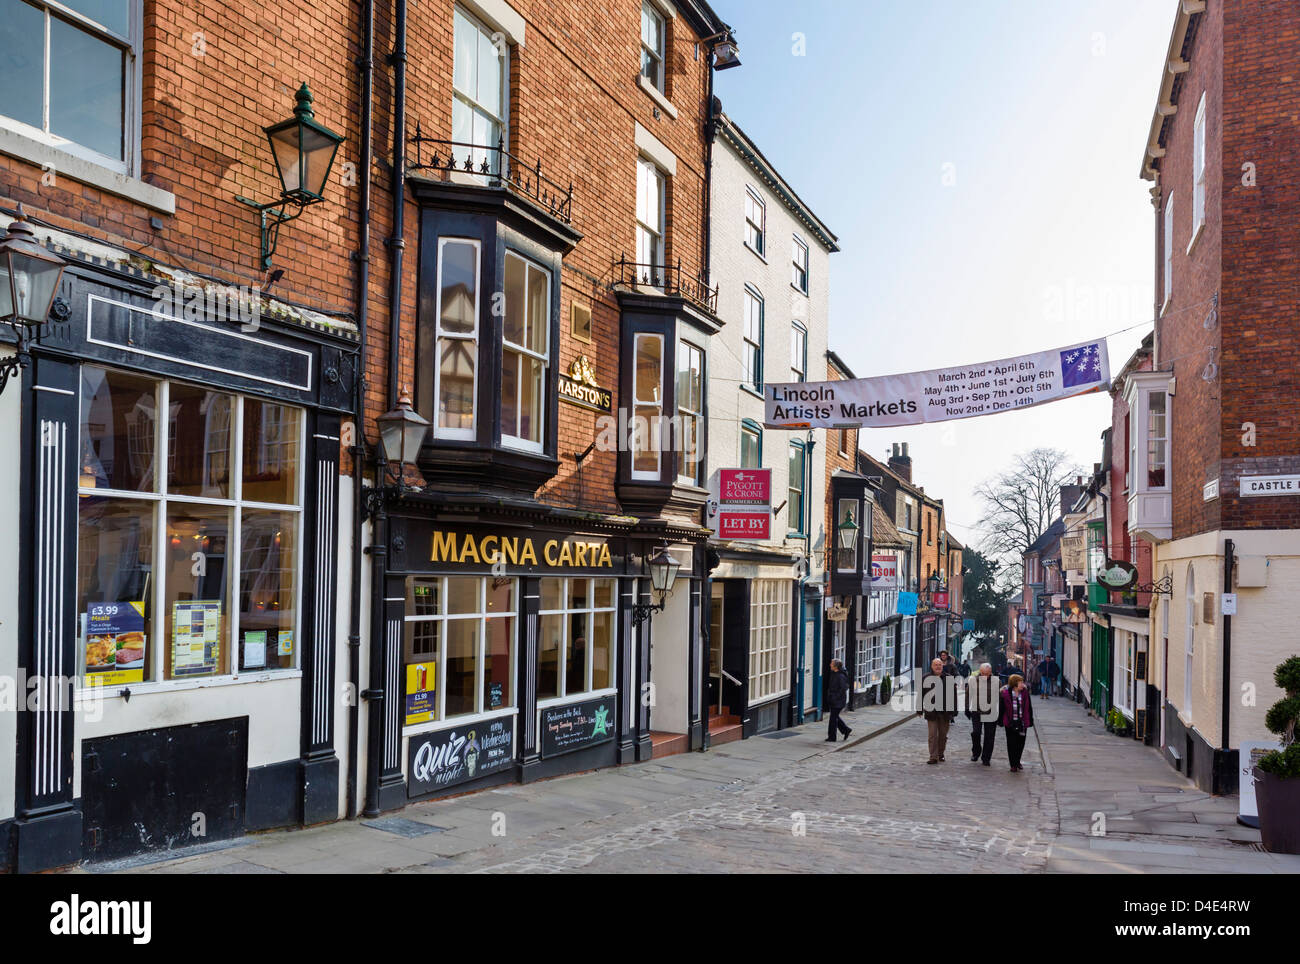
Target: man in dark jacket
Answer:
pixel 837 695
pixel 938 706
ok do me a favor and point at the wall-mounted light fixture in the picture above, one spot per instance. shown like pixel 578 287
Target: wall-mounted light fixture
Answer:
pixel 663 573
pixel 29 277
pixel 304 153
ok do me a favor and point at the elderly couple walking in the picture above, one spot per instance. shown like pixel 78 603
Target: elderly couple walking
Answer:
pixel 1010 709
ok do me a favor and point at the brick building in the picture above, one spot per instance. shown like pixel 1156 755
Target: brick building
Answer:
pixel 1216 485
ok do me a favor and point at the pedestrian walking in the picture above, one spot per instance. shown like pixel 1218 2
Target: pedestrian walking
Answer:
pixel 1050 671
pixel 965 669
pixel 1016 717
pixel 938 706
pixel 949 667
pixel 837 695
pixel 982 710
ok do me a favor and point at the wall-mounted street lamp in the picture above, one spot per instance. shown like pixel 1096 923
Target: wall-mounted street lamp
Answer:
pixel 29 277
pixel 663 573
pixel 304 153
pixel 723 47
pixel 401 434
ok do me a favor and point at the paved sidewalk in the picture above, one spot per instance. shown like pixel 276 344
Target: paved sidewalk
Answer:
pixel 1122 809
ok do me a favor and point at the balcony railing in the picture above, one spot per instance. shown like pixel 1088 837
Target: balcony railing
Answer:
pixel 497 166
pixel 667 279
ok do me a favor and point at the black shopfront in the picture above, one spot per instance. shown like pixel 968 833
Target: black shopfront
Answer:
pixel 178 540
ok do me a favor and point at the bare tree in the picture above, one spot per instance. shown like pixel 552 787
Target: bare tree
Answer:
pixel 1019 504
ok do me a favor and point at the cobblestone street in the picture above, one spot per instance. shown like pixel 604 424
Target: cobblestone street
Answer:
pixel 787 802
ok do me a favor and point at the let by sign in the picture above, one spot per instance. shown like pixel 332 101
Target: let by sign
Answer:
pixel 744 525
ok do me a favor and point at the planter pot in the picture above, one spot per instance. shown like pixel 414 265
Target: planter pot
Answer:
pixel 1278 800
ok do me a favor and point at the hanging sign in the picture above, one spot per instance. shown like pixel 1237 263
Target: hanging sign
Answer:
pixel 1118 575
pixel 744 504
pixel 941 394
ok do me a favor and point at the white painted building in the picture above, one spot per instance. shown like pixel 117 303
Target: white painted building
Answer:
pixel 769 256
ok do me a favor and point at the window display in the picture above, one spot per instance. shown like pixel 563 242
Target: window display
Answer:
pixel 576 648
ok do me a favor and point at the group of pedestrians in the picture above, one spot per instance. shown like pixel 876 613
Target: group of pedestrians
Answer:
pixel 1043 675
pixel 1012 711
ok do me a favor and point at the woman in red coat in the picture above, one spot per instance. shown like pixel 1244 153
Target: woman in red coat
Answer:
pixel 1016 718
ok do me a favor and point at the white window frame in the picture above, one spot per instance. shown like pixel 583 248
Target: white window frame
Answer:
pixel 161 499
pixel 696 416
pixel 753 374
pixel 562 677
pixel 1123 696
pixel 655 53
pixel 511 439
pixel 654 425
pixel 440 431
pixel 1168 253
pixel 907 645
pixel 132 46
pixel 1189 643
pixel 482 616
pixel 769 640
pixel 472 102
pixel 755 431
pixel 650 176
pixel 799 266
pixel 798 352
pixel 1198 174
pixel 796 526
pixel 755 222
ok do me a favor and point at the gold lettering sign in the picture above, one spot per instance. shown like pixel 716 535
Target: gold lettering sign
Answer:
pixel 580 387
pixel 458 548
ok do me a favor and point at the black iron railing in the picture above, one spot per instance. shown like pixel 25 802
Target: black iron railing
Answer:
pixel 669 279
pixel 497 165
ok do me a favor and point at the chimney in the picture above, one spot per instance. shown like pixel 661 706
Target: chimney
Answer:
pixel 900 462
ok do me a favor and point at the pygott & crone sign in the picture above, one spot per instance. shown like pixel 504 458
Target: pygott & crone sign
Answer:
pixel 941 394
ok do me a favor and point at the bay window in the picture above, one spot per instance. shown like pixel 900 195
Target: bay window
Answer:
pixel 459 647
pixel 192 571
pixel 480 83
pixel 690 413
pixel 752 337
pixel 524 352
pixel 647 402
pixel 1157 441
pixel 455 386
pixel 1150 504
pixel 577 642
pixel 71 74
pixel 769 639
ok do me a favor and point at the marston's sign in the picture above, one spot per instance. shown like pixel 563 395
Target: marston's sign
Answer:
pixel 940 394
pixel 465 547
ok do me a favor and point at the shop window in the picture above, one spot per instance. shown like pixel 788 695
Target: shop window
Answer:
pixel 690 413
pixel 480 86
pixel 647 393
pixel 459 646
pixel 70 80
pixel 907 645
pixel 525 353
pixel 457 317
pixel 751 445
pixel 207 564
pixel 769 639
pixel 753 341
pixel 799 265
pixel 577 644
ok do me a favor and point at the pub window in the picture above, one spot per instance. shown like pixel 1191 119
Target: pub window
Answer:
pixel 524 353
pixel 576 651
pixel 459 646
pixel 71 71
pixel 457 318
pixel 192 571
pixel 794 508
pixel 751 444
pixel 480 86
pixel 647 394
pixel 769 639
pixel 753 341
pixel 690 412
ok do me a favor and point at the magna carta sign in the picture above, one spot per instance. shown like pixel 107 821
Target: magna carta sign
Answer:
pixel 488 550
pixel 940 394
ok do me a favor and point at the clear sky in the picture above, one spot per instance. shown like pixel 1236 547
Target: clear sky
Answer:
pixel 979 163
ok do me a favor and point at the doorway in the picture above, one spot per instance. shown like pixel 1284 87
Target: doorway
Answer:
pixel 715 650
pixel 811 658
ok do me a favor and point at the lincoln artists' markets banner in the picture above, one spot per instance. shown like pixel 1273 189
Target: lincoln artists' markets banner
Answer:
pixel 941 393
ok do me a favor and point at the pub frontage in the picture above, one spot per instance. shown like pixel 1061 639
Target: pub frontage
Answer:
pixel 175 534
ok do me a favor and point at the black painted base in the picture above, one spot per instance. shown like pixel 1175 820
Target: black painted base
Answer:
pixel 320 790
pixel 627 752
pixel 695 739
pixel 644 748
pixel 1212 769
pixel 392 795
pixel 592 758
pixel 6 846
pixel 47 840
pixel 272 796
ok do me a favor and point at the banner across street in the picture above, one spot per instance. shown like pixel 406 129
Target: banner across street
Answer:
pixel 940 394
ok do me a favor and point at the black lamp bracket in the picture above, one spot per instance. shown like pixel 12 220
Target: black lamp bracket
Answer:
pixel 272 215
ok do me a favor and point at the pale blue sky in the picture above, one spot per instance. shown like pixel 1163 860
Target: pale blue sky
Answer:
pixel 1044 238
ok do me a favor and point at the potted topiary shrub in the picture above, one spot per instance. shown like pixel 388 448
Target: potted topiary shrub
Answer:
pixel 884 690
pixel 1277 775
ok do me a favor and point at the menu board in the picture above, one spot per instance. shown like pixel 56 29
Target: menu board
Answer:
pixel 421 691
pixel 196 637
pixel 253 654
pixel 577 725
pixel 448 757
pixel 115 643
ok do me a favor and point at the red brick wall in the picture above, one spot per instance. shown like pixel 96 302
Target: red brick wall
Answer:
pixel 1184 345
pixel 1259 314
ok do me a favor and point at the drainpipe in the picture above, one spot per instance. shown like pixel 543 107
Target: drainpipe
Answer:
pixel 397 243
pixel 1229 558
pixel 710 129
pixel 366 64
